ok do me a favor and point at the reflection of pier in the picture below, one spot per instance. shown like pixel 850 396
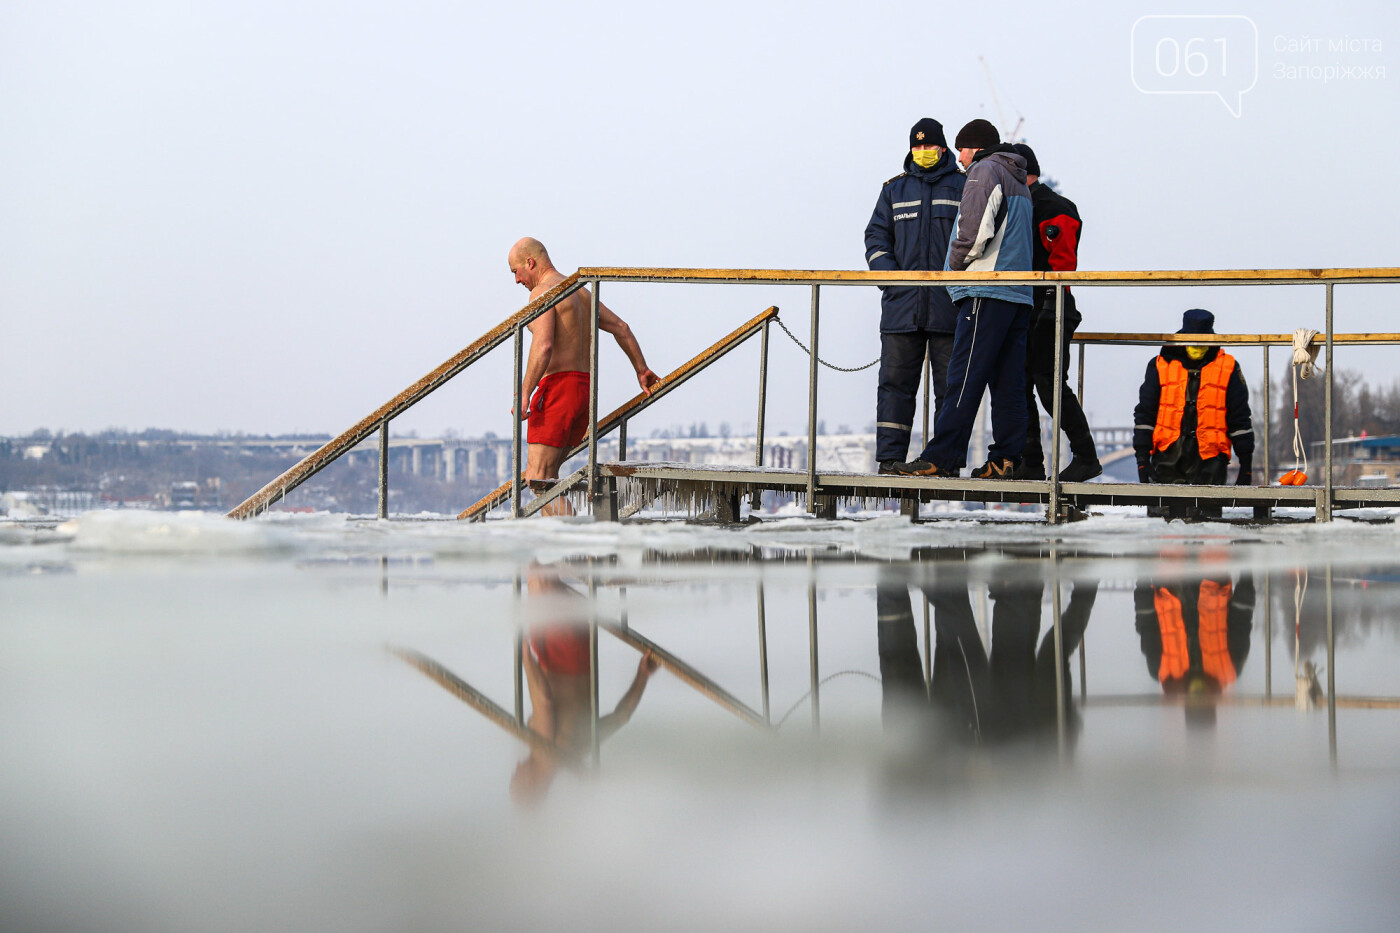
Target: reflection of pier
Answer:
pixel 1066 635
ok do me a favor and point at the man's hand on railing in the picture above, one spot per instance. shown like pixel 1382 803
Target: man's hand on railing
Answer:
pixel 647 380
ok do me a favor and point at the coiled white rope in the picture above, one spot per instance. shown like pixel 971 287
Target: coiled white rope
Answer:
pixel 1304 366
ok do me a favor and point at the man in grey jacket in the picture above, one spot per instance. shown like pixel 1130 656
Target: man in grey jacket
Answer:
pixel 993 232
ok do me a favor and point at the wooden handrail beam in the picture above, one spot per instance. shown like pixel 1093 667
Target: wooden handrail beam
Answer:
pixel 863 277
pixel 320 459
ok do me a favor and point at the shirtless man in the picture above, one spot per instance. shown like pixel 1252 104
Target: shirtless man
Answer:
pixel 558 364
pixel 557 673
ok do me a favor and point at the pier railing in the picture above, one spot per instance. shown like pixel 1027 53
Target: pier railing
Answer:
pixel 815 280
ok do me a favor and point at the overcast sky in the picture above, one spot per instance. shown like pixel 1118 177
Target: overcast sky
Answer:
pixel 271 217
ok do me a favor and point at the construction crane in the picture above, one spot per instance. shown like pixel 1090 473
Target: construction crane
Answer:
pixel 1015 135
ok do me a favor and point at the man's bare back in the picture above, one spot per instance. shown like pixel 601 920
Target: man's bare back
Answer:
pixel 560 347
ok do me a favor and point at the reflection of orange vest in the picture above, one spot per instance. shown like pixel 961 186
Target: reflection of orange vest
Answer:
pixel 1213 609
pixel 1211 436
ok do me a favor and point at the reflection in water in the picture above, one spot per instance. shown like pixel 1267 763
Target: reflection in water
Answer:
pixel 978 696
pixel 558 672
pixel 1195 637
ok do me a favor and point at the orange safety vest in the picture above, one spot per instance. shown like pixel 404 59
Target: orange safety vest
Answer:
pixel 1211 436
pixel 1213 614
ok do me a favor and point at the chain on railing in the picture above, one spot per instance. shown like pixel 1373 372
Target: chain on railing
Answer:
pixel 803 347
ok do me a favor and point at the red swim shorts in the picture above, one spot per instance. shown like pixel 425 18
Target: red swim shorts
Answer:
pixel 561 649
pixel 559 410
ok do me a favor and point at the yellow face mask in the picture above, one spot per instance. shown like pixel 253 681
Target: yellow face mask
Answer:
pixel 1197 353
pixel 926 158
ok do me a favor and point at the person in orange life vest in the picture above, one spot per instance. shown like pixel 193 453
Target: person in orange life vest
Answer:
pixel 1193 409
pixel 1195 636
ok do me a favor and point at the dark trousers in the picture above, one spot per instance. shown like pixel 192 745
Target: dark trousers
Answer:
pixel 1040 377
pixel 989 349
pixel 901 370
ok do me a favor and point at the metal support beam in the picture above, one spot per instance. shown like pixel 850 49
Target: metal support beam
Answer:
pixel 763 651
pixel 1052 511
pixel 518 409
pixel 519 658
pixel 384 469
pixel 1268 641
pixel 622 440
pixel 1331 664
pixel 595 735
pixel 1326 512
pixel 593 391
pixel 1060 699
pixel 756 504
pixel 928 380
pixel 812 405
pixel 813 667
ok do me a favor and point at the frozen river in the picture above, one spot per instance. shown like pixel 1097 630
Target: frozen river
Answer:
pixel 307 723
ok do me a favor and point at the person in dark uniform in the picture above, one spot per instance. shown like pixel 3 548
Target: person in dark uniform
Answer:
pixel 1195 637
pixel 909 230
pixel 1193 409
pixel 980 697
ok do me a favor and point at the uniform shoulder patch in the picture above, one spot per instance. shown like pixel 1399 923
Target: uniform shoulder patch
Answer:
pixel 896 178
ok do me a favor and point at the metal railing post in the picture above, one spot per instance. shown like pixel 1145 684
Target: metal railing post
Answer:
pixel 1083 674
pixel 756 504
pixel 1053 516
pixel 1268 416
pixel 812 642
pixel 928 649
pixel 763 651
pixel 1080 371
pixel 622 440
pixel 593 393
pixel 1327 477
pixel 596 736
pixel 928 378
pixel 384 469
pixel 519 661
pixel 1060 703
pixel 1268 641
pixel 812 408
pixel 520 402
pixel 1331 667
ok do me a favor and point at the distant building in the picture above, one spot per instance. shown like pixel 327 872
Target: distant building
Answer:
pixel 1366 461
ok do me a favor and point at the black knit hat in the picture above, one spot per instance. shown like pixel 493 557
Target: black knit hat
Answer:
pixel 1197 321
pixel 927 132
pixel 1027 153
pixel 979 134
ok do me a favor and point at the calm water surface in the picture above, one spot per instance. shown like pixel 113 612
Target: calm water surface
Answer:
pixel 310 723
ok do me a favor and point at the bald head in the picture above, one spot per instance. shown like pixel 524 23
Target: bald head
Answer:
pixel 529 260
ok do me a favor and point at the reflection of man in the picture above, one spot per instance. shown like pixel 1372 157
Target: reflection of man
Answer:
pixel 557 675
pixel 909 230
pixel 560 345
pixel 1195 636
pixel 991 696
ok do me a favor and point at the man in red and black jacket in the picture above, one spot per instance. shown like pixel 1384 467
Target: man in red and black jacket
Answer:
pixel 1057 234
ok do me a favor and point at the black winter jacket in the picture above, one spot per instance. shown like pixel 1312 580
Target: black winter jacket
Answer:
pixel 1238 423
pixel 909 230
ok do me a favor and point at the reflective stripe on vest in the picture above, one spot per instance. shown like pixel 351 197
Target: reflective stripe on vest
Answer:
pixel 1214 609
pixel 1176 656
pixel 1213 616
pixel 1211 436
